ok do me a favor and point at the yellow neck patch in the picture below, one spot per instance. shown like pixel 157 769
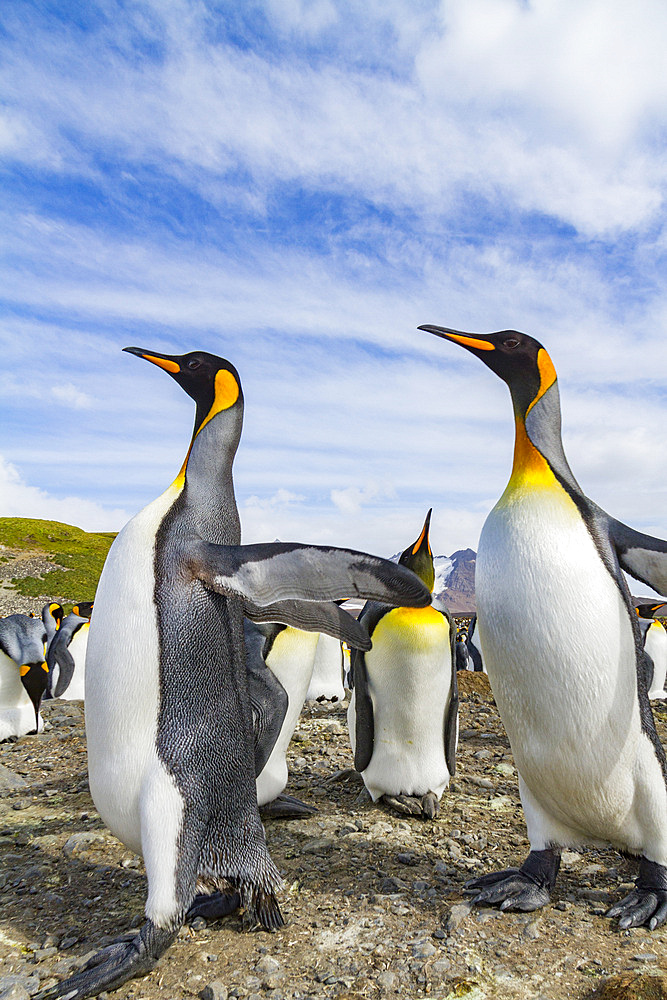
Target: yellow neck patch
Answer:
pixel 226 394
pixel 413 617
pixel 530 468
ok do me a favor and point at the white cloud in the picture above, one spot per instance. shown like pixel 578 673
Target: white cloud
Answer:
pixel 19 499
pixel 70 396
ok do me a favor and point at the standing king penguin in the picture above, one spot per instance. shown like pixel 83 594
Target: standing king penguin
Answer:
pixel 168 715
pixel 66 654
pixel 591 768
pixel 403 713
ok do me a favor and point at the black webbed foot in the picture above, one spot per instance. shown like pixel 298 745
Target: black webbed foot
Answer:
pixel 114 965
pixel 214 906
pixel 286 807
pixel 647 903
pixel 426 806
pixel 526 888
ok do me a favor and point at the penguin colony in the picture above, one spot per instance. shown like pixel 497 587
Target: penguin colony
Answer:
pixel 179 760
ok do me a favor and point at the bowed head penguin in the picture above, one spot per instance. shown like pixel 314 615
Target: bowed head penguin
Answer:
pixel 591 767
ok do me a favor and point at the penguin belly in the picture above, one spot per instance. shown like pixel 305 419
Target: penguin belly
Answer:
pixel 122 691
pixel 17 715
pixel 327 678
pixel 566 691
pixel 409 680
pixel 78 647
pixel 656 647
pixel 291 662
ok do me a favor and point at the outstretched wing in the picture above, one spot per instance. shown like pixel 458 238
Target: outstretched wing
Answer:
pixel 282 571
pixel 642 556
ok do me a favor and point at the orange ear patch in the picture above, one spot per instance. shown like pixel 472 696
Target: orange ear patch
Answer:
pixel 226 393
pixel 545 366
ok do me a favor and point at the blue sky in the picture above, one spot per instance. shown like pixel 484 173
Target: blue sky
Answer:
pixel 296 186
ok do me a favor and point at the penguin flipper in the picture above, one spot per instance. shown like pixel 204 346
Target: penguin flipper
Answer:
pixel 268 698
pixel 59 655
pixel 642 556
pixel 364 722
pixel 311 616
pixel 279 571
pixel 451 730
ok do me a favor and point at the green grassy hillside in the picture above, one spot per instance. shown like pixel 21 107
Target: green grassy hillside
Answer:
pixel 78 557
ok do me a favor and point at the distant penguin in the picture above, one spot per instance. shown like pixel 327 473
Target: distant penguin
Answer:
pixel 473 645
pixel 326 683
pixel 23 674
pixel 403 713
pixel 287 655
pixel 571 692
pixel 653 610
pixel 655 645
pixel 52 617
pixel 66 654
pixel 166 663
pixel 461 651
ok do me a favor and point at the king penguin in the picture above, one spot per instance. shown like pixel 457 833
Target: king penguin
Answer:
pixel 655 646
pixel 326 682
pixel 23 674
pixel 286 655
pixel 403 712
pixel 168 716
pixel 591 768
pixel 66 654
pixel 473 645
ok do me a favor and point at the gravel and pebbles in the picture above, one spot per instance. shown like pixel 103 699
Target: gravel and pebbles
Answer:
pixel 372 900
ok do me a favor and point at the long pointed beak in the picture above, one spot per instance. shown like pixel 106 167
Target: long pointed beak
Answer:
pixel 473 342
pixel 168 362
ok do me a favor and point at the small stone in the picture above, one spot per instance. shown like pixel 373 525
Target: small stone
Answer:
pixel 43 953
pixel 441 965
pixel 405 858
pixel 68 942
pixel 645 956
pixel 441 868
pixel 215 991
pixel 20 804
pixel 532 930
pixel 569 858
pixel 483 755
pixel 9 781
pixel 387 980
pixel 457 915
pixel 80 841
pixel 198 924
pixel 423 949
pixel 268 966
pixel 390 885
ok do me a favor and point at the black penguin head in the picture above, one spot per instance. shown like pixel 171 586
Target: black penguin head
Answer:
pixel 34 677
pixel 212 382
pixel 83 609
pixel 519 360
pixel 419 558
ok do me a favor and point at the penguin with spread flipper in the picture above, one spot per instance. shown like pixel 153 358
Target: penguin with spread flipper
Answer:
pixel 403 713
pixel 574 703
pixel 168 714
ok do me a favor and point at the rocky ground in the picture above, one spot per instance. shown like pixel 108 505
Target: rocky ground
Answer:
pixel 372 900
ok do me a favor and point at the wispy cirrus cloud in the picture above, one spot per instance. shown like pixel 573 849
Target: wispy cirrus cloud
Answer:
pixel 296 186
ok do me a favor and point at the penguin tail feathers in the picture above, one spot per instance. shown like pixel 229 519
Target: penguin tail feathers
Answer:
pixel 261 907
